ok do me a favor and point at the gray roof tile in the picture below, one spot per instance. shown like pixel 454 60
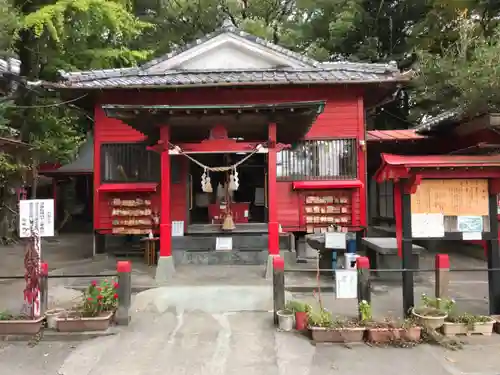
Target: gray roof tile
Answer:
pixel 10 66
pixel 207 78
pixel 311 73
pixel 434 123
pixel 227 28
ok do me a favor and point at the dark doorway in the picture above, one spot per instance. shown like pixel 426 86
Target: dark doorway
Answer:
pixel 250 198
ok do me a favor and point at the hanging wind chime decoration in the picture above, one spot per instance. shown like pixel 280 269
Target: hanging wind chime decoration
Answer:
pixel 206 184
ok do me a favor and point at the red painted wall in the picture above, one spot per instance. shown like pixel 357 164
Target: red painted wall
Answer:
pixel 343 117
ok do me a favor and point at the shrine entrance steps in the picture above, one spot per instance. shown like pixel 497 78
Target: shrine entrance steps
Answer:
pixel 194 229
pixel 248 247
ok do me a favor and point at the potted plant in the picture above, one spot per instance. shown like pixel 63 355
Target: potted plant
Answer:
pixel 410 330
pixel 94 312
pixel 379 332
pixel 496 326
pixel 463 324
pixel 285 319
pixel 394 330
pixel 300 310
pixel 432 312
pixel 19 324
pixel 51 316
pixel 326 329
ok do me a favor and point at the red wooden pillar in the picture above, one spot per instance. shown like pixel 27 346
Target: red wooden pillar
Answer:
pixel 165 222
pixel 272 204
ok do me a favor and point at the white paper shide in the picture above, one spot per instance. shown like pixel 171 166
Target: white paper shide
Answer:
pixel 37 214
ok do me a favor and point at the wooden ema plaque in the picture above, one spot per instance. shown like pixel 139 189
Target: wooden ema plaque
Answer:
pixel 325 211
pixel 452 197
pixel 132 216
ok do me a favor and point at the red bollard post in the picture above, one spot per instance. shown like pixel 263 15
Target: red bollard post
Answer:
pixel 442 264
pixel 44 287
pixel 278 285
pixel 124 269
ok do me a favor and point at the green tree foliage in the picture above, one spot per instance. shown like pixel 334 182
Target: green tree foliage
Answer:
pixel 69 35
pixel 9 22
pixel 86 34
pixel 459 68
pixel 92 34
pixel 48 35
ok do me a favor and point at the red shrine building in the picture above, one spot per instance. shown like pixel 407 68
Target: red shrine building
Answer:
pixel 230 148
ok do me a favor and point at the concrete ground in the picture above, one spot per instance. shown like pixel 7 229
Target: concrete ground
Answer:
pixel 217 320
pixel 179 342
pixel 68 255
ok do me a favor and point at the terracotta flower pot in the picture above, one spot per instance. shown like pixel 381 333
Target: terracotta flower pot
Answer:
pixel 21 327
pixel 339 335
pixel 496 325
pixel 83 324
pixel 300 321
pixel 412 334
pixel 383 335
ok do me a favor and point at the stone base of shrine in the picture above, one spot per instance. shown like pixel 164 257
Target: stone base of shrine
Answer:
pixel 290 258
pixel 228 257
pixel 247 249
pixel 165 269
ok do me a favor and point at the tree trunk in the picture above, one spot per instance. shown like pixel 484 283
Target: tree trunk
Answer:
pixel 22 118
pixel 8 215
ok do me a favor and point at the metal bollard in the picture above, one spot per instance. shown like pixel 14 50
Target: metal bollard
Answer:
pixel 278 285
pixel 44 288
pixel 124 269
pixel 442 264
pixel 364 289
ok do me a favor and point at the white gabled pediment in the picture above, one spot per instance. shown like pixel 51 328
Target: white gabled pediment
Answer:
pixel 226 51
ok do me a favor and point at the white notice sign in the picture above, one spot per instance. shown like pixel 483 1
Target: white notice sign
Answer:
pixel 224 243
pixel 469 236
pixel 427 225
pixel 346 284
pixel 334 240
pixel 472 224
pixel 177 228
pixel 38 213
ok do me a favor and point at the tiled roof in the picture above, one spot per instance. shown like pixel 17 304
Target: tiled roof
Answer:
pixel 393 135
pixel 10 66
pixel 310 71
pixel 228 27
pixel 413 161
pixel 433 123
pixel 114 79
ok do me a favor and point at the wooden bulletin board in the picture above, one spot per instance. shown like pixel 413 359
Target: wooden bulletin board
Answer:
pixel 451 197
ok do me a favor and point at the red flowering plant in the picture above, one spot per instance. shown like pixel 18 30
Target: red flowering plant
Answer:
pixel 100 297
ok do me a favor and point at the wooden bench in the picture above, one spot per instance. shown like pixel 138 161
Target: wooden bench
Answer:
pixel 383 254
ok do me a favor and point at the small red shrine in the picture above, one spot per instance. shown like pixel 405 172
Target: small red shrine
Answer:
pixel 227 144
pixel 445 197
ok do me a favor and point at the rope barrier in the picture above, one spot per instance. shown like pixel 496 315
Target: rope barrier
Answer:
pixel 217 169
